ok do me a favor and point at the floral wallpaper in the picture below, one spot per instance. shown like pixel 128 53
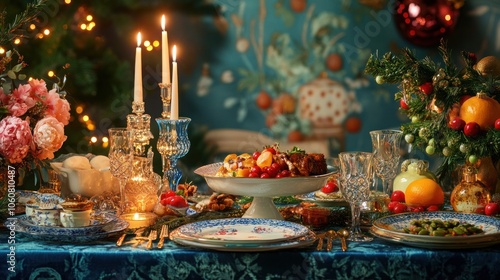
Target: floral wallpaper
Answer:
pixel 294 70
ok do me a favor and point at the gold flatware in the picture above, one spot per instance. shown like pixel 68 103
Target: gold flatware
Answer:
pixel 321 237
pixel 343 234
pixel 139 238
pixel 119 242
pixel 163 234
pixel 330 235
pixel 152 236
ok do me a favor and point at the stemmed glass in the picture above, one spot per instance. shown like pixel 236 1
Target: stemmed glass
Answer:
pixel 121 155
pixel 386 154
pixel 355 179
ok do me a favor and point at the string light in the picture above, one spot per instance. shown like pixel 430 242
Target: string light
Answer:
pixel 50 74
pixel 46 32
pixel 89 17
pixel 2 50
pixel 156 43
pixel 85 118
pixel 93 139
pixel 67 1
pixel 79 109
pixel 32 26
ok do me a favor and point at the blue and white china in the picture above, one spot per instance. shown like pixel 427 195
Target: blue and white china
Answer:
pixel 96 225
pixel 391 227
pixel 241 230
pixel 75 235
pixel 327 202
pixel 71 219
pixel 46 217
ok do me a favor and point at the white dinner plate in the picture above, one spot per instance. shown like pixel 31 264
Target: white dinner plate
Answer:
pixel 98 222
pixel 391 227
pixel 241 231
pixel 303 241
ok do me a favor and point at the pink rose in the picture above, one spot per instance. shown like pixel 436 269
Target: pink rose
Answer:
pixel 15 139
pixel 48 136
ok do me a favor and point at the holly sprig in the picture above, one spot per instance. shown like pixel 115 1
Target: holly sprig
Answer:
pixel 428 92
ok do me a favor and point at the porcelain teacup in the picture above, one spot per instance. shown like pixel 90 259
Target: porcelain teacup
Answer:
pixel 46 217
pixel 72 219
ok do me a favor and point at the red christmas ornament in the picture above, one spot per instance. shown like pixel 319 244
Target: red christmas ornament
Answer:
pixel 424 22
pixel 471 129
pixel 427 88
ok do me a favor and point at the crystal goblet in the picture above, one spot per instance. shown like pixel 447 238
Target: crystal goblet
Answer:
pixel 173 143
pixel 121 155
pixel 386 154
pixel 355 179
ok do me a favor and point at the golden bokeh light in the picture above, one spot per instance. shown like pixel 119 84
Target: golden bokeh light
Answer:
pixel 51 73
pixel 105 139
pixel 2 50
pixel 67 1
pixel 83 26
pixel 90 17
pixel 149 48
pixel 156 43
pixel 90 126
pixel 46 32
pixel 93 139
pixel 32 26
pixel 85 118
pixel 79 109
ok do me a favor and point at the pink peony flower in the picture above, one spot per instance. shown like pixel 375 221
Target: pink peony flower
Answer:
pixel 19 102
pixel 48 136
pixel 15 139
pixel 38 89
pixel 57 107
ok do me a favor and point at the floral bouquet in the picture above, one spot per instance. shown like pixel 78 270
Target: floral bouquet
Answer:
pixel 454 111
pixel 32 120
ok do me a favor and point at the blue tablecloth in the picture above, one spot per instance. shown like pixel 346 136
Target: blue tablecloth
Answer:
pixel 374 260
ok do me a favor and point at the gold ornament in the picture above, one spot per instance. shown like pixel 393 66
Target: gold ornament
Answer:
pixel 488 66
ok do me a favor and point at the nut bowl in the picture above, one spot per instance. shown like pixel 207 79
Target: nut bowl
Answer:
pixel 262 190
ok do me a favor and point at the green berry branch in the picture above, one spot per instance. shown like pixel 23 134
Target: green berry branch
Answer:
pixel 454 111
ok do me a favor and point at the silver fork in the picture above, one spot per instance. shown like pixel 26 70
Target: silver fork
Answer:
pixel 152 236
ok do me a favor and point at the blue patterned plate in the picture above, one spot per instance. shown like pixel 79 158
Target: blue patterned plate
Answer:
pixel 113 228
pixel 241 230
pixel 391 228
pixel 97 224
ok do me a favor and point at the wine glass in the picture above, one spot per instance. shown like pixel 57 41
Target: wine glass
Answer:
pixel 121 155
pixel 386 154
pixel 354 183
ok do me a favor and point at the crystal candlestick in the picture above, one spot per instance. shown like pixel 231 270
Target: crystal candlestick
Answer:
pixel 139 123
pixel 173 143
pixel 166 98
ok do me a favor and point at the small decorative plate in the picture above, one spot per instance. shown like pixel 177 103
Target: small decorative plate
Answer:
pixel 327 202
pixel 115 227
pixel 303 241
pixel 97 225
pixel 391 228
pixel 241 230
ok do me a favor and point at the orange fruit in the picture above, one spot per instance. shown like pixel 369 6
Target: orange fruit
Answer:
pixel 424 192
pixel 263 100
pixel 265 159
pixel 480 109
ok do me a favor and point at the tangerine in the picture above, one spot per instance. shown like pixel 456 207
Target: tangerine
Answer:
pixel 480 109
pixel 424 192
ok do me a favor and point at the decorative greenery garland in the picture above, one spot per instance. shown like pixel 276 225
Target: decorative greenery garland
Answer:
pixel 431 95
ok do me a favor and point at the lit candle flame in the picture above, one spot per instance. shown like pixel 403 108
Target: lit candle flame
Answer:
pixel 174 53
pixel 163 22
pixel 136 216
pixel 139 39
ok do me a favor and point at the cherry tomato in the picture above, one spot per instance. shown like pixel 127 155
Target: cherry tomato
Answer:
pixel 432 208
pixel 391 205
pixel 166 194
pixel 398 196
pixel 272 171
pixel 276 166
pixel 285 173
pixel 255 169
pixel 400 208
pixel 253 175
pixel 255 155
pixel 265 175
pixel 178 202
pixel 272 150
pixel 492 209
pixel 417 209
pixel 330 187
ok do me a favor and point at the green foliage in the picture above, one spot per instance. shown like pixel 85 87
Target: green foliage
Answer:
pixel 430 112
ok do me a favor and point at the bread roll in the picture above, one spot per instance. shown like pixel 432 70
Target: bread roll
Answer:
pixel 77 162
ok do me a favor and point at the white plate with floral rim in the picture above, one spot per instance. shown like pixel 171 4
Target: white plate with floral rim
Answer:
pixel 391 228
pixel 302 241
pixel 241 231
